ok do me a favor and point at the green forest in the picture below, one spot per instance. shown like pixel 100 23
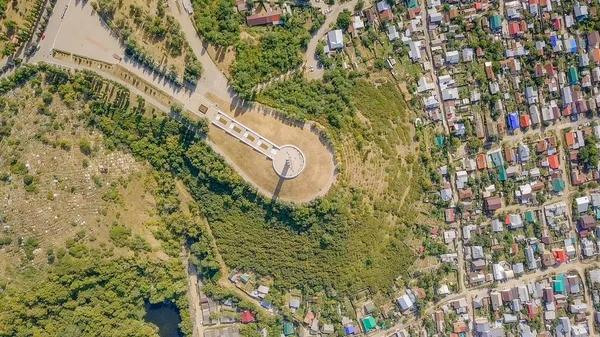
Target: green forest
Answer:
pixel 92 295
pixel 272 50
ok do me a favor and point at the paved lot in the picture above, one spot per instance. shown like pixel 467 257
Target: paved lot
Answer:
pixel 83 33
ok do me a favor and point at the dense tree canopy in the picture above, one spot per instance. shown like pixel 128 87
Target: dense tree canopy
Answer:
pixel 217 21
pixel 588 155
pixel 89 296
pixel 252 232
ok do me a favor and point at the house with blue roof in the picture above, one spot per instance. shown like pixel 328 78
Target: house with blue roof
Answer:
pixel 570 45
pixel 513 121
pixel 556 43
pixel 350 330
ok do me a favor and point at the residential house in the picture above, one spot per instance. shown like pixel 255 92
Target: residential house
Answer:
pixel 265 18
pixel 335 39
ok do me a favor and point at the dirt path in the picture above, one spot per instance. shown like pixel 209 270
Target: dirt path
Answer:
pixel 193 294
pixel 405 194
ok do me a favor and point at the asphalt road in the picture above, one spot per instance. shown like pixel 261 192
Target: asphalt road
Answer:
pixel 311 60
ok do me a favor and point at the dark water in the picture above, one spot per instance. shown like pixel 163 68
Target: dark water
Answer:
pixel 165 317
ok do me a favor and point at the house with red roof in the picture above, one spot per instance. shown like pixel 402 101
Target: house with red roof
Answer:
pixel 596 55
pixel 561 255
pixel 531 310
pixel 556 24
pixel 570 137
pixel 478 6
pixel 413 13
pixel 523 26
pixel 549 67
pixel 386 14
pixel 481 161
pixel 264 18
pixel 247 317
pixel 514 28
pixel 525 121
pixel 539 70
pixel 553 161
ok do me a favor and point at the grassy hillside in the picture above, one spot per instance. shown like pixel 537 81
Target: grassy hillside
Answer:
pixel 353 238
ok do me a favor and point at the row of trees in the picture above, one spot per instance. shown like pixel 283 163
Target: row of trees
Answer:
pixel 278 52
pixel 158 28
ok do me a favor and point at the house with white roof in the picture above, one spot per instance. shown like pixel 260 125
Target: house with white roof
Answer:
pixel 461 179
pixel 393 33
pixel 414 49
pixel 582 204
pixel 358 23
pixel 452 57
pixel 405 302
pixel 335 39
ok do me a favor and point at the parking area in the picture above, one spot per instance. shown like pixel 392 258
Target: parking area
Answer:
pixel 83 33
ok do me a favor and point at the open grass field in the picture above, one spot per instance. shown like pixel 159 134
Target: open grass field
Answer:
pixel 53 192
pixel 314 180
pixel 376 157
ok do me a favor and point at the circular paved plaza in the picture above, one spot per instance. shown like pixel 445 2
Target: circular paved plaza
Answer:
pixel 289 162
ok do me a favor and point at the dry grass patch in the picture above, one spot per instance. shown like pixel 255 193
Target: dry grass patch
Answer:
pixel 313 181
pixel 223 57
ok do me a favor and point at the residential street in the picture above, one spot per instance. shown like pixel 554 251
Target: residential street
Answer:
pixel 311 60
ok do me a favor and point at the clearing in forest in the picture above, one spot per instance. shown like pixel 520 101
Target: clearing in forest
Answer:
pixel 318 175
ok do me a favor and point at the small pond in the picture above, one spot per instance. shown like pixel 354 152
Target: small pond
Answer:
pixel 165 317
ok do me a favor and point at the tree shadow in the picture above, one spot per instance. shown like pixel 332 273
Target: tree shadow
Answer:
pixel 280 182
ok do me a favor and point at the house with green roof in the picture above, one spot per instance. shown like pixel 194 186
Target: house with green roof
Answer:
pixel 368 323
pixel 558 185
pixel 413 4
pixel 496 22
pixel 288 328
pixel 558 284
pixel 573 76
pixel 440 140
pixel 502 176
pixel 530 216
pixel 497 159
